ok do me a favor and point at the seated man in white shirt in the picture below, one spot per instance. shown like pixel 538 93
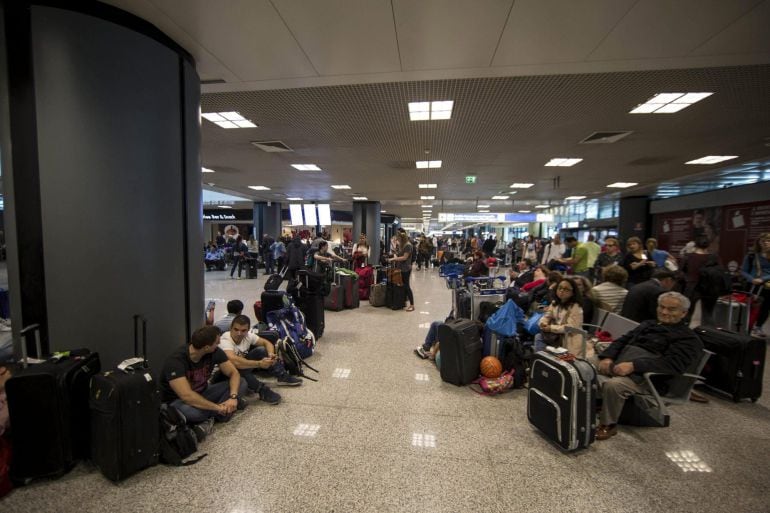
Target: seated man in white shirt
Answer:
pixel 250 352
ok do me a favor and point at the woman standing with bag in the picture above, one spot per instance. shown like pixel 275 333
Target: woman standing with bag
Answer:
pixel 404 258
pixel 565 311
pixel 756 270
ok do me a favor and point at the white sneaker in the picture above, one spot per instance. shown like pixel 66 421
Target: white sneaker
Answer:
pixel 756 331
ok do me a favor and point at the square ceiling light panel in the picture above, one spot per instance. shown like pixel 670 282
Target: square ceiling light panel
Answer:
pixel 206 170
pixel 360 198
pixel 521 185
pixel 500 197
pixel 424 111
pixel 340 187
pixel 294 198
pixel 425 164
pixel 259 187
pixel 427 185
pixel 427 197
pixel 228 120
pixel 575 197
pixel 306 167
pixel 712 159
pixel 668 103
pixel 562 162
pixel 622 185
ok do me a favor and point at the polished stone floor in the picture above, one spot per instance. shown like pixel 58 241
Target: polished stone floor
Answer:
pixel 380 432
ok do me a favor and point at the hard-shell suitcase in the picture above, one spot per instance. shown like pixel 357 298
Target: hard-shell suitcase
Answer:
pixel 273 300
pixel 737 365
pixel 377 294
pixel 561 401
pixel 258 311
pixel 463 300
pixel 460 346
pixel 251 268
pixel 48 403
pixel 125 406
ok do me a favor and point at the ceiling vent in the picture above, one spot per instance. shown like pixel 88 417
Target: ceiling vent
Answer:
pixel 401 164
pixel 604 137
pixel 271 146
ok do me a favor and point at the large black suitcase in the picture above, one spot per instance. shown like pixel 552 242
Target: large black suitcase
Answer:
pixel 48 403
pixel 395 296
pixel 274 281
pixel 125 407
pixel 460 346
pixel 561 401
pixel 273 300
pixel 312 306
pixel 738 363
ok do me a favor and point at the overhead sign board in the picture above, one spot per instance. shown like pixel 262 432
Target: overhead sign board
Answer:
pixel 475 217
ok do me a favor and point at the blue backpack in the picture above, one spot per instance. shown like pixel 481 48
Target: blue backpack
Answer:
pixel 289 322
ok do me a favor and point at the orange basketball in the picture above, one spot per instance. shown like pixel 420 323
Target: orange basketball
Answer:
pixel 491 367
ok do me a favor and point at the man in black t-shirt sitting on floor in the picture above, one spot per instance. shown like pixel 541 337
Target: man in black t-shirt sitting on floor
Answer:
pixel 185 380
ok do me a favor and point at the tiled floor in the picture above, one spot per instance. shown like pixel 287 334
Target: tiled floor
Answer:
pixel 383 439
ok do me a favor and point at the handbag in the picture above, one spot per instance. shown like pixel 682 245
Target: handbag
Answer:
pixel 532 325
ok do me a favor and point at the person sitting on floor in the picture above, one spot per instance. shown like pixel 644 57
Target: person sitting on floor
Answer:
pixel 234 309
pixel 184 382
pixel 250 352
pixel 215 258
pixel 664 345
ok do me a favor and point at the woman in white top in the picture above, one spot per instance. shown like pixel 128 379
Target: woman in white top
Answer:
pixel 361 251
pixel 566 310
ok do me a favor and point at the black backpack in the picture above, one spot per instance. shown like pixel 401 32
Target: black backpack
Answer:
pixel 177 439
pixel 714 280
pixel 292 361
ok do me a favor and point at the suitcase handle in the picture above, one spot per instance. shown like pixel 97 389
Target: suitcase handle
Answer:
pixel 137 318
pixel 23 334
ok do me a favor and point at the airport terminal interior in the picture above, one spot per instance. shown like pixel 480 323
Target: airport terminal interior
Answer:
pixel 134 133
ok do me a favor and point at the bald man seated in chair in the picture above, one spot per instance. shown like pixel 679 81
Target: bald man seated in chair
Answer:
pixel 665 345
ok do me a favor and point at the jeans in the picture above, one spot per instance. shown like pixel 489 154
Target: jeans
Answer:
pixel 268 263
pixel 216 393
pixel 252 383
pixel 432 336
pixel 237 261
pixel 540 343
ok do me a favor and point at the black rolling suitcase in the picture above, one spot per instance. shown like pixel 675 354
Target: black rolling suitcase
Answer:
pixel 274 280
pixel 48 403
pixel 460 346
pixel 395 296
pixel 312 307
pixel 273 300
pixel 737 365
pixel 561 401
pixel 125 407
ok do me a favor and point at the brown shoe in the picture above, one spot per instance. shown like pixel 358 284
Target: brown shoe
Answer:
pixel 604 432
pixel 698 398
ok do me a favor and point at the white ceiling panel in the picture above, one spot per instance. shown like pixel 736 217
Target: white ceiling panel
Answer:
pixel 246 36
pixel 436 34
pixel 662 28
pixel 557 30
pixel 342 36
pixel 748 34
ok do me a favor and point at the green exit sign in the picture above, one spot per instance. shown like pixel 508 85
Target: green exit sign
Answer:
pixel 470 179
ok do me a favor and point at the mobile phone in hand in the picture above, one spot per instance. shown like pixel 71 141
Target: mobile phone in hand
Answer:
pixel 210 306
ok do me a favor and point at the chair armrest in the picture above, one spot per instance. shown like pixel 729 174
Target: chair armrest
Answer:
pixel 654 391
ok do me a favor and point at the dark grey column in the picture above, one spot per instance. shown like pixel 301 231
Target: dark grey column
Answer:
pixel 634 218
pixel 103 181
pixel 267 219
pixel 366 220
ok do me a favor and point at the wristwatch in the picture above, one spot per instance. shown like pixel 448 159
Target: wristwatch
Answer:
pixel 233 396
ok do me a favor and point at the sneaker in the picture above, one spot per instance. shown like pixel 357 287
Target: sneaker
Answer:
pixel 756 331
pixel 287 380
pixel 268 396
pixel 203 429
pixel 421 353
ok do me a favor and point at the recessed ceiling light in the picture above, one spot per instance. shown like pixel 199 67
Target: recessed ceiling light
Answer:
pixel 542 206
pixel 423 111
pixel 360 198
pixel 575 197
pixel 224 206
pixel 524 211
pixel 228 119
pixel 563 162
pixel 306 167
pixel 622 185
pixel 427 197
pixel 340 187
pixel 484 211
pixel 294 199
pixel 668 103
pixel 383 211
pixel 500 197
pixel 427 185
pixel 206 170
pixel 259 187
pixel 482 206
pixel 521 185
pixel 424 164
pixel 712 159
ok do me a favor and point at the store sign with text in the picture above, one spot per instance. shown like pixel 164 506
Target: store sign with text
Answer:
pixel 476 217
